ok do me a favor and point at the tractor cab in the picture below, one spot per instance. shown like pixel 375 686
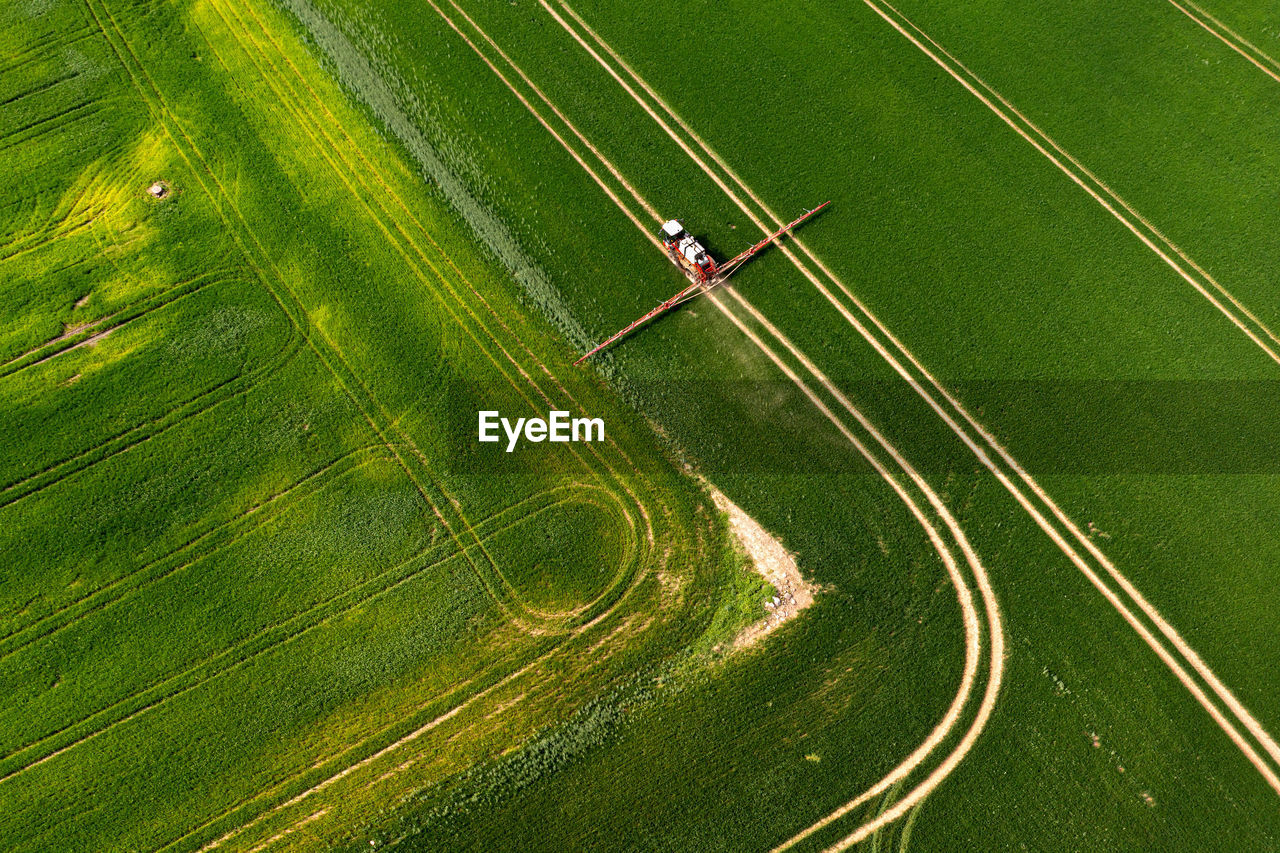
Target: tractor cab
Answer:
pixel 672 233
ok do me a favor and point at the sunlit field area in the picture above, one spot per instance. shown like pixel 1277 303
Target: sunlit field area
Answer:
pixel 1005 413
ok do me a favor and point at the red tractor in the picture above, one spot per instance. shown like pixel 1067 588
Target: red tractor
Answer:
pixel 702 269
pixel 687 253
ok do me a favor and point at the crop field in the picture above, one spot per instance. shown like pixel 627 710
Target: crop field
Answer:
pixel 254 568
pixel 1010 401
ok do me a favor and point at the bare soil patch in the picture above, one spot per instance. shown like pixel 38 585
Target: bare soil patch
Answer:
pixel 774 563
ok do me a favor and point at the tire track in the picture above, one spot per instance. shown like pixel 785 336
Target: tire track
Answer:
pixel 358 756
pixel 272 637
pixel 995 628
pixel 17 241
pixel 264 641
pixel 36 243
pixel 361 763
pixel 135 436
pixel 45 44
pixel 39 88
pixel 126 314
pixel 62 118
pixel 407 210
pixel 1255 55
pixel 498 581
pixel 1195 275
pixel 328 356
pixel 201 546
pixel 348 763
pixel 493 576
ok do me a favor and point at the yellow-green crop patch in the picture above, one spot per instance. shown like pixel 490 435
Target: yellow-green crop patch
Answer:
pixel 251 568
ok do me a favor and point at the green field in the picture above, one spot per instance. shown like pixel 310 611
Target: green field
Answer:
pixel 1010 401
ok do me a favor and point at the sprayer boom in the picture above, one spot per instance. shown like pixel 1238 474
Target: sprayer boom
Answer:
pixel 688 254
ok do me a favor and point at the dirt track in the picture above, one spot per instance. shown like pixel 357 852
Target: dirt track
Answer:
pixel 1232 39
